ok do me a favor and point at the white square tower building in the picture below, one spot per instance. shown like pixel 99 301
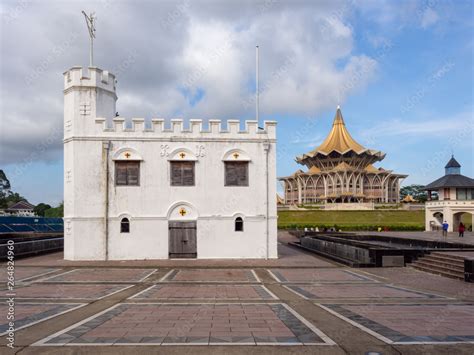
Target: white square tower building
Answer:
pixel 162 190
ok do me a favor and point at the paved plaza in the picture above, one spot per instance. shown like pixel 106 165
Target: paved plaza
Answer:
pixel 300 303
pixel 24 274
pixel 344 291
pixel 63 291
pixel 205 292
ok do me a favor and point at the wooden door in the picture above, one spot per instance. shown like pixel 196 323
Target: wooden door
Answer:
pixel 182 239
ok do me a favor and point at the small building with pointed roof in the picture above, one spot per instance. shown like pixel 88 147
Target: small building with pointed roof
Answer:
pixel 340 170
pixel 455 197
pixel 21 208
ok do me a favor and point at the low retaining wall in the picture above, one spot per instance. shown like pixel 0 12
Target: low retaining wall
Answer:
pixel 345 251
pixel 32 247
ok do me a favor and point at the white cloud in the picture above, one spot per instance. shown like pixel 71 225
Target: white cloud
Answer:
pixel 429 17
pixel 434 127
pixel 165 53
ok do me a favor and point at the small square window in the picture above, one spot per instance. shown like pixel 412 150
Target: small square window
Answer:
pixel 182 173
pixel 127 173
pixel 236 173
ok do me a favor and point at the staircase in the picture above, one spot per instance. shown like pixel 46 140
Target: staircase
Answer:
pixel 441 264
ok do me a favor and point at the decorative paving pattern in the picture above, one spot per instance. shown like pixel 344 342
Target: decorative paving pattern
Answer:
pixel 205 292
pixel 316 275
pixel 211 275
pixel 411 323
pixel 64 291
pixel 348 291
pixel 198 324
pixel 25 273
pixel 27 314
pixel 102 275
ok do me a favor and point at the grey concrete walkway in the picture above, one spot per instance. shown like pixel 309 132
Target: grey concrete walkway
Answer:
pixel 452 237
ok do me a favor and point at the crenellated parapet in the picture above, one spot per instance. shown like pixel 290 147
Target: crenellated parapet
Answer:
pixel 176 127
pixel 90 77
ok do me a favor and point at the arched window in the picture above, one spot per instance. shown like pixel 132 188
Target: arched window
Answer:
pixel 239 224
pixel 124 225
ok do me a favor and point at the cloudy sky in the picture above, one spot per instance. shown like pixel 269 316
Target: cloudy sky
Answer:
pixel 402 72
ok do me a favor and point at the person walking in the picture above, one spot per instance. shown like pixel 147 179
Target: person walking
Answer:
pixel 445 229
pixel 461 230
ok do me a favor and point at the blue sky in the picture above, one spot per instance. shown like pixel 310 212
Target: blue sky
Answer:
pixel 401 71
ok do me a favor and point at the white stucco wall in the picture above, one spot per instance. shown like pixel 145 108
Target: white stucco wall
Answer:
pixel 88 113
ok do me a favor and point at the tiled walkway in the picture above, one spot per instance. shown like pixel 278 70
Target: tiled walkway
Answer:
pixel 205 292
pixel 26 273
pixel 412 323
pixel 211 275
pixel 27 314
pixel 64 291
pixel 157 323
pixel 350 291
pixel 295 301
pixel 316 275
pixel 101 275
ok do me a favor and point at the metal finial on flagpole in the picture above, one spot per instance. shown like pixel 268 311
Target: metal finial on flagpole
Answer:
pixel 90 21
pixel 256 87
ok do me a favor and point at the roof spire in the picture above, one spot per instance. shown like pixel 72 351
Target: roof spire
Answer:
pixel 339 139
pixel 338 118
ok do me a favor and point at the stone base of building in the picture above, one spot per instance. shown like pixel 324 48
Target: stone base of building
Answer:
pixel 149 238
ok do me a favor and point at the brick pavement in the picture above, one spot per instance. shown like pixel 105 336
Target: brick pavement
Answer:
pixel 25 273
pixel 64 291
pixel 411 323
pixel 101 275
pixel 211 275
pixel 345 291
pixel 27 314
pixel 317 275
pixel 158 323
pixel 208 292
pixel 203 302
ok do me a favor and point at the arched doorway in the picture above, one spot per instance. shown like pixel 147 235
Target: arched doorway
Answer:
pixel 182 231
pixel 437 221
pixel 465 218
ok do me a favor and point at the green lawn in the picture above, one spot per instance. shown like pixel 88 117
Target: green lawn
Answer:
pixel 353 220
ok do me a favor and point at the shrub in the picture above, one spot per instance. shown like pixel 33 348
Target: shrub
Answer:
pixel 353 227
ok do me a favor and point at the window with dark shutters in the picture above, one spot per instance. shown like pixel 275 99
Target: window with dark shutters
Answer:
pixel 182 173
pixel 236 173
pixel 127 173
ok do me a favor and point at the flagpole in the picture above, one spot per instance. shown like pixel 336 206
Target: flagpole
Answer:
pixel 257 87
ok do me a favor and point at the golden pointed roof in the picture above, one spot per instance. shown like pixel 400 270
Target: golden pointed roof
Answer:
pixel 371 169
pixel 339 138
pixel 314 170
pixel 343 166
pixel 298 172
pixel 408 198
pixel 280 200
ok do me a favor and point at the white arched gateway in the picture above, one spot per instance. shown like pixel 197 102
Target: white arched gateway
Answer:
pixel 450 199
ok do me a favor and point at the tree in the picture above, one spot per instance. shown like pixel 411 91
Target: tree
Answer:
pixel 8 200
pixel 57 212
pixel 416 191
pixel 41 208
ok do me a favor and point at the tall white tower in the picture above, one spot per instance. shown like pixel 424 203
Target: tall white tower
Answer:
pixel 86 96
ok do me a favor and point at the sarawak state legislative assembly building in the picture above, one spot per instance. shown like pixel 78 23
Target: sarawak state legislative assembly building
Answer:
pixel 341 170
